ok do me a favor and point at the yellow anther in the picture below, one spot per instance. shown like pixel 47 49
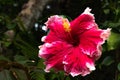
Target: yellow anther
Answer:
pixel 66 25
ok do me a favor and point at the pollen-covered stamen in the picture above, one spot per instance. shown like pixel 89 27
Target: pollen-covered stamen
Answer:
pixel 66 25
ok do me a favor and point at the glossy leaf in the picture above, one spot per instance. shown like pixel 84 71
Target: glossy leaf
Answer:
pixel 5 75
pixel 26 48
pixel 113 41
pixel 21 59
pixel 107 61
pixel 4 58
pixel 118 66
pixel 37 74
pixel 19 74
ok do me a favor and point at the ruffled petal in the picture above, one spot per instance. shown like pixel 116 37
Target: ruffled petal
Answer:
pixel 54 22
pixel 59 28
pixel 91 41
pixel 51 37
pixel 53 53
pixel 83 22
pixel 77 63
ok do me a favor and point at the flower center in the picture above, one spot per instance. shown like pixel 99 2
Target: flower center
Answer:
pixel 73 40
pixel 66 25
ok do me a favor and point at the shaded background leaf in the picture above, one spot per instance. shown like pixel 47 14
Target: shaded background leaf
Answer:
pixel 113 41
pixel 5 75
pixel 107 61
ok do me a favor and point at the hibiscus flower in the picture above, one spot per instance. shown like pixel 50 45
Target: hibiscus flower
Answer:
pixel 73 47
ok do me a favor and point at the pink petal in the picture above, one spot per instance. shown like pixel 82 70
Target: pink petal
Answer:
pixel 54 21
pixel 87 11
pixel 53 53
pixel 43 38
pixel 51 37
pixel 76 63
pixel 83 22
pixel 57 30
pixel 105 34
pixel 91 41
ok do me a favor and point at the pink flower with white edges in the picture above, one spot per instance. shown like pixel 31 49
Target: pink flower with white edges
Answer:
pixel 73 47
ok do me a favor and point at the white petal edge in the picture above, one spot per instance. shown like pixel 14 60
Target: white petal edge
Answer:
pixel 83 73
pixel 106 34
pixel 43 50
pixel 47 69
pixel 52 19
pixel 73 74
pixel 91 67
pixel 44 28
pixel 48 45
pixel 87 11
pixel 43 38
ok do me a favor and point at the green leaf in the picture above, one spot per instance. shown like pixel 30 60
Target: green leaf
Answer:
pixel 60 75
pixel 21 59
pixel 7 43
pixel 113 41
pixel 26 48
pixel 20 24
pixel 4 58
pixel 106 11
pixel 40 77
pixel 37 74
pixel 107 61
pixel 68 78
pixel 118 66
pixel 19 74
pixel 5 75
pixel 40 64
pixel 10 25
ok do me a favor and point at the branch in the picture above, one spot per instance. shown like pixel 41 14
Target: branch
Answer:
pixel 31 12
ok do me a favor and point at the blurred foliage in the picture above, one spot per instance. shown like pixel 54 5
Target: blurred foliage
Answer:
pixel 19 47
